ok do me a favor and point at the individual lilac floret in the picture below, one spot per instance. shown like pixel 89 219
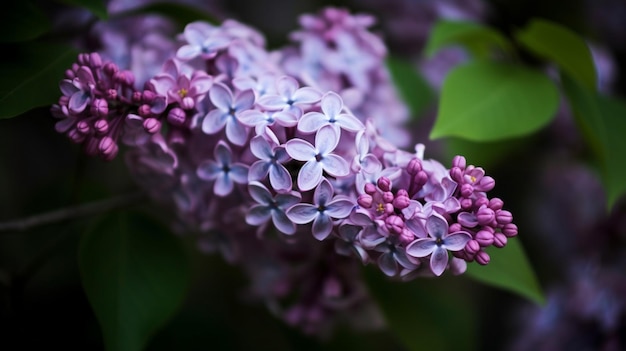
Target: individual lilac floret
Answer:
pixel 322 211
pixel 332 107
pixel 271 207
pixel 438 244
pixel 203 40
pixel 289 97
pixel 348 242
pixel 318 158
pixel 270 161
pixel 228 107
pixel 181 88
pixel 223 171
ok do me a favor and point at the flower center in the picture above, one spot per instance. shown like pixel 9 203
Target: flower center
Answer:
pixel 380 208
pixel 182 92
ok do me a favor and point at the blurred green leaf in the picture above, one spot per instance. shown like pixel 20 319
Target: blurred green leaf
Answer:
pixel 135 275
pixel 562 46
pixel 181 13
pixel 487 101
pixel 31 78
pixel 509 269
pixel 476 38
pixel 413 88
pixel 97 7
pixel 423 314
pixel 603 124
pixel 21 21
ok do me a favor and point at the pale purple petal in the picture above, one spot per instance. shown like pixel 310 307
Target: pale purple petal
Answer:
pixel 335 165
pixel 67 87
pixel 259 170
pixel 252 117
pixel 387 264
pixel 349 122
pixel 280 179
pixel 326 139
pixel 331 104
pixel 162 84
pixel 310 175
pixel 302 213
pixel 209 170
pixel 222 153
pixel 214 121
pixel 456 241
pixel 201 84
pixel 285 119
pixel 196 32
pixel 323 194
pixel 286 86
pixel 288 199
pixel 236 132
pixel 311 122
pixel 306 95
pixel 258 214
pixel 272 102
pixel 188 52
pixel 223 185
pixel 244 101
pixel 239 173
pixel 439 260
pixel 259 193
pixel 261 148
pixel 436 226
pixel 322 226
pixel 282 222
pixel 404 260
pixel 78 101
pixel 221 97
pixel 300 150
pixel 421 247
pixel 339 208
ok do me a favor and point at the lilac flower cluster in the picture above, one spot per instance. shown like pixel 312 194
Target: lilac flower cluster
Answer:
pixel 294 145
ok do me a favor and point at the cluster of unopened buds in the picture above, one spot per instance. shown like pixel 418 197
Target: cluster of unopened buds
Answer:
pixel 249 146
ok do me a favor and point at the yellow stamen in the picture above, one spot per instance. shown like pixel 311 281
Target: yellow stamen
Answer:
pixel 380 208
pixel 182 92
pixel 473 179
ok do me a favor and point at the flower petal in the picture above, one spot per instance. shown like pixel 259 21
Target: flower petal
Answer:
pixel 258 214
pixel 326 139
pixel 421 247
pixel 252 117
pixel 239 173
pixel 339 208
pixel 436 226
pixel 311 122
pixel 306 95
pixel 439 261
pixel 322 226
pixel 209 170
pixel 272 102
pixel 222 154
pixel 302 213
pixel 244 100
pixel 280 179
pixel 223 185
pixel 287 200
pixel 214 121
pixel 331 104
pixel 323 194
pixel 310 175
pixel 259 170
pixel 261 148
pixel 300 150
pixel 221 97
pixel 282 222
pixel 349 122
pixel 335 165
pixel 387 264
pixel 236 132
pixel 456 241
pixel 286 86
pixel 260 193
pixel 78 102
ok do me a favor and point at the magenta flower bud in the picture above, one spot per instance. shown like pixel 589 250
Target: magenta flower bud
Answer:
pixel 459 161
pixel 401 201
pixel 76 136
pixel 472 247
pixel 125 77
pixel 83 58
pixel 110 68
pixel 499 240
pixel 388 208
pixel 95 60
pixel 467 190
pixel 509 230
pixel 466 204
pixel 384 184
pixel 504 217
pixel 188 103
pixel 136 97
pixel 481 201
pixel 420 178
pixel 152 125
pixel 83 127
pixel 406 236
pixel 388 196
pixel 482 258
pixel 365 200
pixel 69 74
pixel 456 174
pixel 496 204
pixel 101 126
pixel 108 148
pixel 64 100
pixel 100 108
pixel 148 96
pixel 484 238
pixel 144 110
pixel 486 183
pixel 111 94
pixel 394 224
pixel 414 166
pixel 370 188
pixel 455 227
pixel 176 116
pixel 485 215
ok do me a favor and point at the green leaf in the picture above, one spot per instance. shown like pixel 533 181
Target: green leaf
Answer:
pixel 22 21
pixel 487 101
pixel 603 123
pixel 422 314
pixel 562 46
pixel 181 13
pixel 411 86
pixel 97 7
pixel 32 78
pixel 509 269
pixel 135 275
pixel 476 38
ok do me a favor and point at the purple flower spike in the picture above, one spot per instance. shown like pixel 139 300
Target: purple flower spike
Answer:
pixel 438 243
pixel 270 161
pixel 228 107
pixel 321 211
pixel 318 158
pixel 332 105
pixel 223 171
pixel 271 207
